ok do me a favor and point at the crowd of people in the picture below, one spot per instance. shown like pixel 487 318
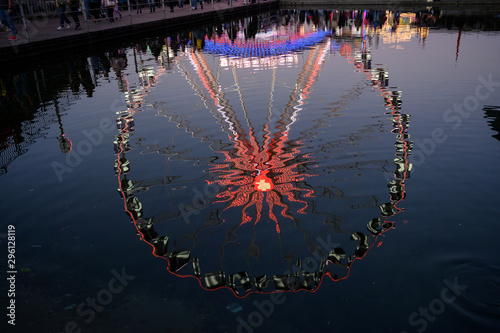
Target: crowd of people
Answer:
pixel 110 10
pixel 95 10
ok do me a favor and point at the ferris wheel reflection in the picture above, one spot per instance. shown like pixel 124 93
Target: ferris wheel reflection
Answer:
pixel 265 177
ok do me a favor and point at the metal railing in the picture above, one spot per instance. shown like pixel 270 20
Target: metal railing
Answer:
pixel 26 12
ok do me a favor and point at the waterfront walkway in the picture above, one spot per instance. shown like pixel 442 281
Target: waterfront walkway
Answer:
pixel 38 34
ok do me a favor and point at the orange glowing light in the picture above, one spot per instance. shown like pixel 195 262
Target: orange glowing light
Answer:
pixel 263 183
pixel 247 190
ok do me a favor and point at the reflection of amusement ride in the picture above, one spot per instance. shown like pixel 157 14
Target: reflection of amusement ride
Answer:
pixel 262 177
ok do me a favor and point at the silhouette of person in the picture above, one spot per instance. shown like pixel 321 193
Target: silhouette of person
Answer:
pixel 5 17
pixel 61 7
pixel 73 7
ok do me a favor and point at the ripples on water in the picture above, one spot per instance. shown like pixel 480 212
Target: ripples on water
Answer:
pixel 259 155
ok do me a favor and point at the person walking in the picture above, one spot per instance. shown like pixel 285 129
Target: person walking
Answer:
pixel 151 4
pixel 5 17
pixel 61 7
pixel 108 8
pixel 73 8
pixel 86 9
pixel 117 13
pixel 138 6
pixel 95 10
pixel 194 4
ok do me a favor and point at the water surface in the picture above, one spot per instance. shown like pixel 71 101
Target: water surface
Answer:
pixel 294 171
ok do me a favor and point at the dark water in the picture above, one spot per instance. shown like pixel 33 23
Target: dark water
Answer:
pixel 290 172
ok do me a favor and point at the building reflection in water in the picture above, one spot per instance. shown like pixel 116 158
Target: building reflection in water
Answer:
pixel 492 114
pixel 261 177
pixel 31 101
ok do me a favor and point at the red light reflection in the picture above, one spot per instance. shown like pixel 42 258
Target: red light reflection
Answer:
pixel 256 174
